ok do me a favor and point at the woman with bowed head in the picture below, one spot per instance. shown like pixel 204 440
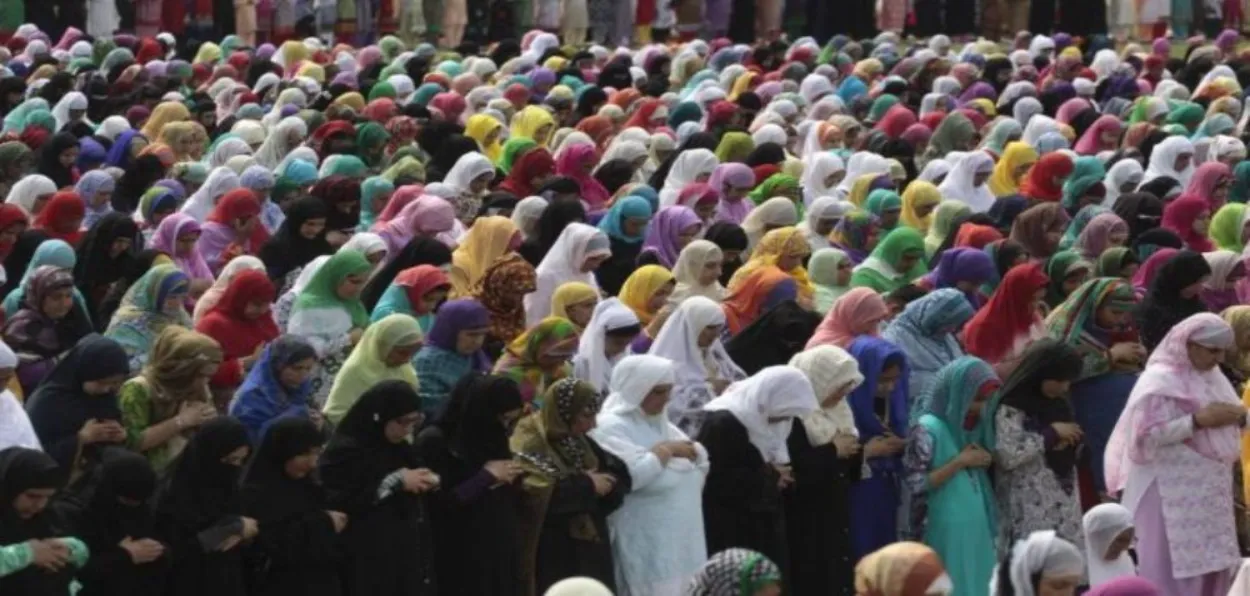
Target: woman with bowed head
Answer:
pixel 949 500
pixel 625 223
pixel 153 303
pixel 880 407
pixel 242 323
pixel 1109 535
pixel 691 340
pixel 374 476
pixel 824 449
pixel 40 560
pixel 539 357
pixel 299 239
pixel 579 250
pixel 858 312
pixel 277 386
pixel 486 241
pixel 1168 459
pixel 384 353
pixel 673 228
pixel 1001 330
pixel 900 569
pixel 452 349
pixel 736 572
pixel 746 431
pixel 198 512
pixel 896 261
pixel 468 448
pixel 48 324
pixel 297 548
pixel 177 236
pixel 329 315
pixel 1174 295
pixel 604 342
pixel 926 331
pixel 1039 565
pixel 103 258
pixel 658 535
pixel 164 405
pixel 415 291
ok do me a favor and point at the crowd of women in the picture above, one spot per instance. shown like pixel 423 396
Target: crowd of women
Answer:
pixel 867 318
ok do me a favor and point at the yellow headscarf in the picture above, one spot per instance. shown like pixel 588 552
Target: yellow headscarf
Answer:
pixel 209 53
pixel 571 294
pixel 313 71
pixel 353 100
pixel 787 241
pixel 527 122
pixel 165 113
pixel 366 366
pixel 484 243
pixel 741 85
pixel 860 189
pixel 174 134
pixel 479 128
pixel 1003 181
pixel 641 287
pixel 919 194
pixel 292 53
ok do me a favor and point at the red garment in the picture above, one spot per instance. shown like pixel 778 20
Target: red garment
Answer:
pixel 518 95
pixel 330 129
pixel 240 203
pixel 1179 216
pixel 381 110
pixel 933 119
pixel 642 117
pixel 976 236
pixel 419 281
pixel 62 217
pixel 765 171
pixel 1206 179
pixel 720 113
pixel 1011 311
pixel 533 164
pixel 10 215
pixel 599 129
pixel 149 50
pixel 896 121
pixel 1040 183
pixel 239 336
pixel 451 104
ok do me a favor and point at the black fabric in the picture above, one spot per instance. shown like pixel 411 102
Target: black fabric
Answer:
pixel 475 523
pixel 297 550
pixel 21 470
pixel 611 275
pixel 698 140
pixel 1163 306
pixel 198 499
pixel 773 338
pixel 96 268
pixel 770 154
pixel 729 237
pixel 112 299
pixel 447 154
pixel 388 540
pixel 1142 212
pixel 144 172
pixel 818 517
pixel 1045 360
pixel 287 249
pixel 60 407
pixel 50 159
pixel 1154 240
pixel 421 250
pixel 551 223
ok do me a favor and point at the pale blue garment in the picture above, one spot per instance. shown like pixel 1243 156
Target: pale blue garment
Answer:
pixel 54 252
pixel 925 331
pixel 395 300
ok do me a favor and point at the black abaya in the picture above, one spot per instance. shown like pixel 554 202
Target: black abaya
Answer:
pixel 21 470
pixel 774 338
pixel 818 517
pixel 1163 305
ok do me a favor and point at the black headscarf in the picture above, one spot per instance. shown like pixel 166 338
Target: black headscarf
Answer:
pixel 432 136
pixel 614 174
pixel 199 488
pixel 50 159
pixel 267 493
pixel 1005 254
pixel 1005 210
pixel 108 305
pixel 18 261
pixel 128 475
pixel 1150 241
pixel 96 268
pixel 421 250
pixel 287 249
pixel 23 469
pixel 588 102
pixel 728 236
pixel 359 454
pixel 1142 212
pixel 557 216
pixel 1053 360
pixel 766 154
pixel 59 408
pixel 138 179
pixel 1163 307
pixel 447 154
pixel 470 420
pixel 773 338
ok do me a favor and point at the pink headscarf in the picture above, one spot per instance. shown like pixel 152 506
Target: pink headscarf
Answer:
pixel 858 312
pixel 733 175
pixel 1207 177
pixel 1170 388
pixel 1093 239
pixel 1071 108
pixel 1090 142
pixel 399 199
pixel 451 104
pixel 576 162
pixel 1145 274
pixel 166 241
pixel 428 215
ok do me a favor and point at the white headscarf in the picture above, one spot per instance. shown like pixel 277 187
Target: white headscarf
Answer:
pixel 74 100
pixel 1104 63
pixel 862 163
pixel 591 363
pixel 1226 147
pixel 819 167
pixel 770 133
pixel 113 126
pixel 689 266
pixel 526 214
pixel 227 149
pixel 822 209
pixel 281 140
pixel 563 264
pixel 1163 160
pixel 775 392
pixel 829 368
pixel 367 243
pixel 219 182
pixel 686 168
pixel 301 153
pixel 1042 553
pixel 678 341
pixel 938 168
pixel 1123 172
pixel 958 184
pixel 1039 125
pixel 814 88
pixel 15 427
pixel 775 212
pixel 467 169
pixel 251 131
pixel 1103 524
pixel 1026 110
pixel 28 189
pixel 628 151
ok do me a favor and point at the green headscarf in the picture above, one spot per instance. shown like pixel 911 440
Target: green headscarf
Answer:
pixel 1187 114
pixel 229 44
pixel 943 217
pixel 383 89
pixel 391 47
pixel 513 149
pixel 371 138
pixel 954 133
pixel 13 151
pixel 450 68
pixel 43 119
pixel 734 146
pixel 371 189
pixel 15 120
pixel 405 167
pixel 1218 124
pixel 879 271
pixel 344 165
pixel 425 93
pixel 1241 183
pixel 1072 319
pixel 1226 227
pixel 822 270
pixel 952 393
pixel 1087 171
pixel 322 289
pixel 101 48
pixel 194 172
pixel 686 111
pixel 1113 261
pixel 880 106
pixel 775 186
pixel 1059 267
pixel 116 57
pixel 882 200
pixel 1004 131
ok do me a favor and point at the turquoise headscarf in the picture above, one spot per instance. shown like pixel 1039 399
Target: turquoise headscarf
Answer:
pixel 1241 183
pixel 631 206
pixel 425 93
pixel 15 121
pixel 373 186
pixel 950 396
pixel 1087 172
pixel 53 252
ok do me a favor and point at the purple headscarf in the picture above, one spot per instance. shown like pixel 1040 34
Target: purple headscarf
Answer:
pixel 963 264
pixel 1226 41
pixel 166 240
pixel 664 229
pixel 543 80
pixel 733 175
pixel 978 90
pixel 175 187
pixel 453 317
pixel 1162 47
pixel 1062 40
pixel 265 51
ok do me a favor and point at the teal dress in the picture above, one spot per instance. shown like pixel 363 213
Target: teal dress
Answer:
pixel 395 300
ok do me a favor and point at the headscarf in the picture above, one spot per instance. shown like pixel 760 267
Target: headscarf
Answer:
pixel 994 330
pixel 1103 524
pixel 1004 181
pixel 1179 217
pixel 1042 553
pixel 901 569
pixel 734 571
pixel 367 365
pixel 858 312
pixel 521 359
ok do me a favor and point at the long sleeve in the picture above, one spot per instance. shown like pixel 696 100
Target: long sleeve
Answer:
pixel 14 558
pixel 917 463
pixel 1015 446
pixel 302 541
pixel 739 476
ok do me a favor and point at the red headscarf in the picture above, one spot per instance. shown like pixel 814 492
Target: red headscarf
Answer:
pixel 240 203
pixel 1010 313
pixel 381 110
pixel 451 104
pixel 1040 185
pixel 598 128
pixel 573 164
pixel 419 281
pixel 720 113
pixel 518 94
pixel 532 164
pixel 10 215
pixel 1179 216
pixel 62 217
pixel 399 199
pixel 642 117
pixel 1208 177
pixel 328 130
pixel 896 121
pixel 238 335
pixel 150 49
pixel 976 236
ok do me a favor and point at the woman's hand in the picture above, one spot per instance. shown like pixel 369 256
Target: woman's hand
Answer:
pixel 193 414
pixel 1219 414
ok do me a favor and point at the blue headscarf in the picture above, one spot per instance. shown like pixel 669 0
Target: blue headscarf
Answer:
pixel 119 153
pixel 926 330
pixel 852 88
pixel 650 194
pixel 873 354
pixel 54 252
pixel 91 154
pixel 262 398
pixel 631 206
